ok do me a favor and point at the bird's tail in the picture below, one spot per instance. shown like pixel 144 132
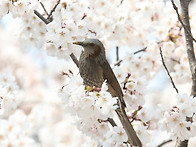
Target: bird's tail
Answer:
pixel 132 136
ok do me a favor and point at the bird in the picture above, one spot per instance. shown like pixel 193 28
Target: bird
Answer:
pixel 94 70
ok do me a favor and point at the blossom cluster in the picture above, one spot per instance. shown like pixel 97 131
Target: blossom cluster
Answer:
pixel 179 120
pixel 27 22
pixel 29 104
pixel 10 97
pixel 28 109
pixel 92 109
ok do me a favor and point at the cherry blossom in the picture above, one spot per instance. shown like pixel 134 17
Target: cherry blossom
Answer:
pixel 41 90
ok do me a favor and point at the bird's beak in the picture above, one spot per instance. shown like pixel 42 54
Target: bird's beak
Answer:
pixel 78 43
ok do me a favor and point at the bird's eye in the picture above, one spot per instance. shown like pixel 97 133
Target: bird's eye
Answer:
pixel 91 44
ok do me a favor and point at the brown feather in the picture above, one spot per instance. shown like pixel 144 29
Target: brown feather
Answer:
pixel 97 50
pixel 113 85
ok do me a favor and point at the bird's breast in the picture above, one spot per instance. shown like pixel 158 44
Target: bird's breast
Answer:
pixel 91 72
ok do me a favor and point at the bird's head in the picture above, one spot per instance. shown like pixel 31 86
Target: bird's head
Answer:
pixel 92 47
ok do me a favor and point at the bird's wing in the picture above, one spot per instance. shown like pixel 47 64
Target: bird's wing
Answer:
pixel 113 85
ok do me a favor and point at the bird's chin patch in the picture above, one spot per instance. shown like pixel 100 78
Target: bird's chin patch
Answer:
pixel 89 51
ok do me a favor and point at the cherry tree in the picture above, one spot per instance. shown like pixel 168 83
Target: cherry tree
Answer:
pixel 43 101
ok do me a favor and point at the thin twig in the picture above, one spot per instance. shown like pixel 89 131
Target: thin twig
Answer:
pixel 75 60
pixel 121 1
pixel 112 122
pixel 141 50
pixel 41 17
pixel 118 63
pixel 167 70
pixel 50 15
pixel 175 60
pixel 44 8
pixel 176 9
pixel 165 142
pixel 117 57
pixel 117 53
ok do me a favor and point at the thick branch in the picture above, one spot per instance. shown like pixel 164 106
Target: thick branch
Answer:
pixel 190 52
pixel 189 44
pixel 176 9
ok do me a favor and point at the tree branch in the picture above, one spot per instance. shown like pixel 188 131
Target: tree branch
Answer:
pixel 181 143
pixel 44 8
pixel 165 142
pixel 176 9
pixel 75 60
pixel 112 122
pixel 50 17
pixel 190 52
pixel 162 58
pixel 46 21
pixel 141 50
pixel 189 44
pixel 117 57
pixel 117 53
pixel 118 62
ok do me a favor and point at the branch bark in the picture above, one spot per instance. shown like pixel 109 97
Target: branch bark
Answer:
pixel 189 43
pixel 190 52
